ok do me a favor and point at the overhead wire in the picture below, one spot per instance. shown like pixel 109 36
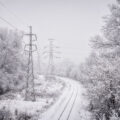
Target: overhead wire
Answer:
pixel 12 13
pixel 8 22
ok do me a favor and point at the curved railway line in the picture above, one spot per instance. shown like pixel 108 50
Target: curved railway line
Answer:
pixel 63 109
pixel 65 106
pixel 69 106
pixel 72 105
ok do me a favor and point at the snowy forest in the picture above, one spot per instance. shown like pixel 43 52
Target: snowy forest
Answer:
pixel 99 74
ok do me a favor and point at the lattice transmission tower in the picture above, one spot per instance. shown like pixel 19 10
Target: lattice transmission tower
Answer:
pixel 51 53
pixel 30 85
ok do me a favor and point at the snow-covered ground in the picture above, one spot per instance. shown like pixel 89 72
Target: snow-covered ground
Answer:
pixel 72 105
pixel 47 92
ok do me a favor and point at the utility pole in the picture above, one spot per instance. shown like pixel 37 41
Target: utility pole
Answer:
pixel 51 54
pixel 30 87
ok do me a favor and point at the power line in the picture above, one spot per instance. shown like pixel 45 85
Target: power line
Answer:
pixel 10 11
pixel 8 23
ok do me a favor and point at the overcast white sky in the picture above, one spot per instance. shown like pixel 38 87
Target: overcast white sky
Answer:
pixel 70 22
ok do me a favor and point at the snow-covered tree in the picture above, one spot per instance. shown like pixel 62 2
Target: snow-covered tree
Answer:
pixel 101 72
pixel 12 67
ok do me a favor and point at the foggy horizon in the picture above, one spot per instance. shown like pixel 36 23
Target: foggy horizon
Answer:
pixel 70 23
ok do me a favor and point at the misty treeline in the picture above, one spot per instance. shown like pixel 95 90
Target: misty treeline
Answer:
pixel 12 62
pixel 101 72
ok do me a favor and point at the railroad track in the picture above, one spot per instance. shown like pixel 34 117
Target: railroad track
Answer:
pixel 63 110
pixel 69 106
